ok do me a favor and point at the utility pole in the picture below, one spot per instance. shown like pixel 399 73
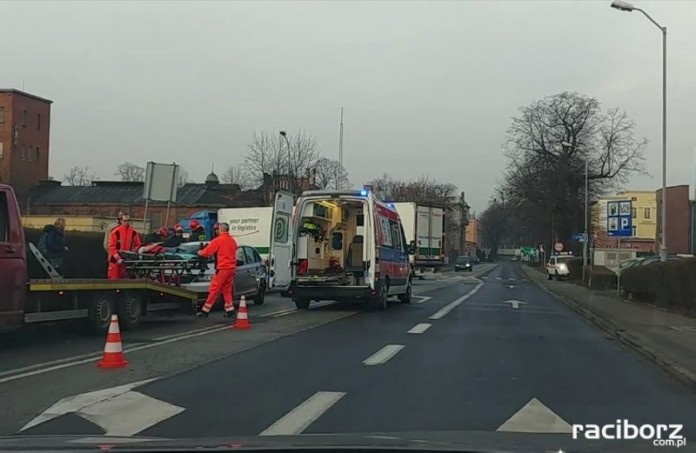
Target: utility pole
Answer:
pixel 340 141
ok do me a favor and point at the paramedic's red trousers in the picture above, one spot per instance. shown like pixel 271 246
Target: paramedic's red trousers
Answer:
pixel 116 271
pixel 223 281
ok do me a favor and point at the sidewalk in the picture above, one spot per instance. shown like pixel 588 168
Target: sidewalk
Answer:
pixel 668 339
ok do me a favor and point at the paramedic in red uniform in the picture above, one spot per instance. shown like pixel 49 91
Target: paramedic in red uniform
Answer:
pixel 225 248
pixel 123 237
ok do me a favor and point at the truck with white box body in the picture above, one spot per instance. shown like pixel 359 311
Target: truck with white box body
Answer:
pixel 250 226
pixel 423 224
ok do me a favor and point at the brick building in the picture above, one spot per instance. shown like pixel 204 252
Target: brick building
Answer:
pixel 678 219
pixel 24 139
pixel 107 198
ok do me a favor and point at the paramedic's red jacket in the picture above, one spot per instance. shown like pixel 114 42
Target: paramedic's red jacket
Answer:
pixel 123 237
pixel 225 247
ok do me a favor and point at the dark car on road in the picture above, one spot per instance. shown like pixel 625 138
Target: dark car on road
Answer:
pixel 463 263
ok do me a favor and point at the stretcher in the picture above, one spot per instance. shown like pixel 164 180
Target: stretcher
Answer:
pixel 169 266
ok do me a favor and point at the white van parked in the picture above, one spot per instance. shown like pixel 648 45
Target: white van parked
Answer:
pixel 339 245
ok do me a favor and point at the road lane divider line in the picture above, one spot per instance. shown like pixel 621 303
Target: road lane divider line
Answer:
pixel 423 299
pixel 420 328
pixel 383 355
pixel 298 419
pixel 452 305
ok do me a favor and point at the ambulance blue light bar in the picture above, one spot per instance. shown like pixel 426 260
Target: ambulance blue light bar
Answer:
pixel 363 193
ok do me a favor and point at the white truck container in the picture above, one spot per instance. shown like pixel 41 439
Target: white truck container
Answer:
pixel 423 225
pixel 250 226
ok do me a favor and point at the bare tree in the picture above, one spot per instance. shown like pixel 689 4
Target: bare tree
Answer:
pixel 184 177
pixel 129 171
pixel 79 176
pixel 304 153
pixel 330 174
pixel 235 174
pixel 264 157
pixel 548 145
pixel 421 190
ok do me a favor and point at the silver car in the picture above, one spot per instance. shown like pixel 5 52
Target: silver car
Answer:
pixel 250 280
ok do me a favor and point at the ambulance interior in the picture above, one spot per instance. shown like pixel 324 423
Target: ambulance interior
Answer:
pixel 330 247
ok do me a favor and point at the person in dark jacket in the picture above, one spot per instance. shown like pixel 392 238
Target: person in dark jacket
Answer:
pixel 176 239
pixel 197 232
pixel 56 244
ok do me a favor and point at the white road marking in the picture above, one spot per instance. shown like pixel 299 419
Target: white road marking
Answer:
pixel 420 328
pixel 452 305
pixel 535 417
pixel 499 278
pixel 298 419
pixel 422 299
pixel 142 413
pixel 515 303
pixel 384 354
pixel 76 402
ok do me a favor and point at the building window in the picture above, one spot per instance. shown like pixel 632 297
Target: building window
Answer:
pixel 2 151
pixel 29 154
pixel 2 115
pixel 634 213
pixel 634 231
pixel 37 153
pixel 38 121
pixel 25 118
pixel 646 213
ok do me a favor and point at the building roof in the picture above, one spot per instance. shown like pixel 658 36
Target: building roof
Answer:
pixel 131 193
pixel 24 93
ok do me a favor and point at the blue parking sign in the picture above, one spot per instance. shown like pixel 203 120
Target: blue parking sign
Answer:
pixel 620 218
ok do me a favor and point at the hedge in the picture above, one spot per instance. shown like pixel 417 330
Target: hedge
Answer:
pixel 600 277
pixel 85 259
pixel 669 284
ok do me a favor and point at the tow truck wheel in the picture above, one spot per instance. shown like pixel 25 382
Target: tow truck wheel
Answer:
pixel 99 313
pixel 130 309
pixel 301 304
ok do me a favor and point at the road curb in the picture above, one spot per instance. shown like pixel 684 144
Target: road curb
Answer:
pixel 667 365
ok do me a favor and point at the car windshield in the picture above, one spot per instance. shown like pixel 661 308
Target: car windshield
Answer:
pixel 463 260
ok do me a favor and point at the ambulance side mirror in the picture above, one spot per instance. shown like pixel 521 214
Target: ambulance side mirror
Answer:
pixel 412 248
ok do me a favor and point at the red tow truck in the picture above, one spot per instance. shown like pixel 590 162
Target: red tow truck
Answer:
pixel 24 300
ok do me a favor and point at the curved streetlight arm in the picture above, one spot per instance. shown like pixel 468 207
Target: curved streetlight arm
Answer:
pixel 663 29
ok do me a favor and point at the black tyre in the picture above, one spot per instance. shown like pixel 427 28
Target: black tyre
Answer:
pixel 406 297
pixel 301 304
pixel 549 276
pixel 101 307
pixel 260 296
pixel 379 302
pixel 130 309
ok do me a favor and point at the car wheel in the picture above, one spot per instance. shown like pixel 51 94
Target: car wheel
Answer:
pixel 549 276
pixel 406 297
pixel 558 277
pixel 301 304
pixel 379 302
pixel 260 296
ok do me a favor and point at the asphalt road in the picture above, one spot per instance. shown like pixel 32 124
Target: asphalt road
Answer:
pixel 494 353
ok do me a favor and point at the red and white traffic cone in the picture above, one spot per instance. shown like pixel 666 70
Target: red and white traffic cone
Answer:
pixel 113 351
pixel 242 321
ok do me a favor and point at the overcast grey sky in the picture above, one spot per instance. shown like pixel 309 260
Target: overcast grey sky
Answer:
pixel 428 87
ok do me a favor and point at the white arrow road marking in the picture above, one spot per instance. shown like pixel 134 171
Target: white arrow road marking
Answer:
pixel 515 303
pixel 77 402
pixel 129 413
pixel 452 305
pixel 298 419
pixel 420 328
pixel 535 417
pixel 422 299
pixel 510 286
pixel 384 354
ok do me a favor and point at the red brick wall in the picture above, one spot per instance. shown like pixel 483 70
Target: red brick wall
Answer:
pixel 25 162
pixel 678 218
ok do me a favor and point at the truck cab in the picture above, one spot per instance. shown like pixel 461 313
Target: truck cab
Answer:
pixel 13 261
pixel 338 245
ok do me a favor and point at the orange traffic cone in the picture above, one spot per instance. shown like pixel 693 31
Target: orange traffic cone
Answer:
pixel 113 351
pixel 242 321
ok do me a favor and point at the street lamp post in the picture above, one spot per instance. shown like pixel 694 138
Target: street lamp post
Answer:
pixel 628 7
pixel 585 213
pixel 285 136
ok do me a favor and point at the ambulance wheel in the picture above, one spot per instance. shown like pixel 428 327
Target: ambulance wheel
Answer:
pixel 379 302
pixel 99 312
pixel 405 298
pixel 301 304
pixel 260 296
pixel 130 310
